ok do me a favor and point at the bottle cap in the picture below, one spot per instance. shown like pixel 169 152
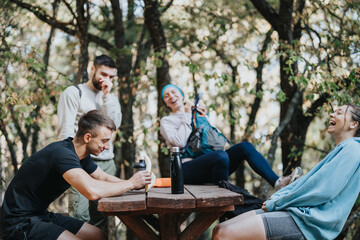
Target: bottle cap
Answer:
pixel 176 149
pixel 140 164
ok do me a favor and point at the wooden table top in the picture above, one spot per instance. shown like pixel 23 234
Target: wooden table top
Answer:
pixel 195 197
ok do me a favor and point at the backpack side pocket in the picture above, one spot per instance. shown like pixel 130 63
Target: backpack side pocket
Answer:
pixel 215 140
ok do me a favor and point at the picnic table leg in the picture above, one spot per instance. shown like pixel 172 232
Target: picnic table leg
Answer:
pixel 199 225
pixel 169 226
pixel 152 221
pixel 137 225
pixel 182 218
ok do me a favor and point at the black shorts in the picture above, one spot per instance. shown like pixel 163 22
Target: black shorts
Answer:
pixel 47 226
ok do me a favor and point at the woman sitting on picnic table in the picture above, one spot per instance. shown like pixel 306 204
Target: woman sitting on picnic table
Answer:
pixel 317 205
pixel 214 166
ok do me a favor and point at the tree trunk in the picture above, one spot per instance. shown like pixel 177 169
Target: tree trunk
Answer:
pixel 259 84
pixel 154 25
pixel 239 173
pixel 255 105
pixel 82 19
pixel 46 57
pixel 125 154
pixel 293 136
pixel 127 98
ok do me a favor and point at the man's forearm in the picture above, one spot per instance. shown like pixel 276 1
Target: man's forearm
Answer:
pixel 110 178
pixel 102 189
pixel 94 186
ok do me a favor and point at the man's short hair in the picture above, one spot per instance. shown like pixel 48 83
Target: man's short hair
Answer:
pixel 104 60
pixel 93 120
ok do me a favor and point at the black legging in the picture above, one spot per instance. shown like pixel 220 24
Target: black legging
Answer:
pixel 218 165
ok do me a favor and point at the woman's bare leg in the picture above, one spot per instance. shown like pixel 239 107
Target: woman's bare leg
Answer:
pixel 238 218
pixel 243 227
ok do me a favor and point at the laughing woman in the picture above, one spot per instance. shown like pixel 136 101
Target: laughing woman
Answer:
pixel 317 205
pixel 217 165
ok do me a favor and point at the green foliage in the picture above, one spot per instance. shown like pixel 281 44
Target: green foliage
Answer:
pixel 158 58
pixel 280 96
pixel 193 68
pixel 165 150
pixel 120 135
pixel 295 153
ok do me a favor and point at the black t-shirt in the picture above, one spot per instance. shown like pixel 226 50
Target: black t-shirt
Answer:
pixel 39 180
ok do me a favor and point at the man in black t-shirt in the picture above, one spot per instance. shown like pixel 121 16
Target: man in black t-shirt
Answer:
pixel 48 173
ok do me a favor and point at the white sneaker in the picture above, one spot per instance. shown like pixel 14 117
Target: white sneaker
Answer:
pixel 284 181
pixel 296 174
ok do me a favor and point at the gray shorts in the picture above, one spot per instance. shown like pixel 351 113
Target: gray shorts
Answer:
pixel 280 225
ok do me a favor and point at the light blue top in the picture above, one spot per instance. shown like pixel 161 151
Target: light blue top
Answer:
pixel 321 201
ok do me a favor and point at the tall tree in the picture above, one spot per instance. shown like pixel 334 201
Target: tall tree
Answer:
pixel 290 21
pixel 158 39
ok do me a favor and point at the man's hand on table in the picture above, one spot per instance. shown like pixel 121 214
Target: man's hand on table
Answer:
pixel 140 179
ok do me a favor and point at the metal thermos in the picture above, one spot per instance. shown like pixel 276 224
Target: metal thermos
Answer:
pixel 139 166
pixel 176 173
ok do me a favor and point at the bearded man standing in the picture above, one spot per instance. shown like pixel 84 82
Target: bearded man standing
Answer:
pixel 74 102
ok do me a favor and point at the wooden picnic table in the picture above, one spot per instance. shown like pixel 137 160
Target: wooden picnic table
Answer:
pixel 158 214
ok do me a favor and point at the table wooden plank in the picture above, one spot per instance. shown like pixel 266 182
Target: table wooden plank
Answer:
pixel 130 201
pixel 162 198
pixel 214 196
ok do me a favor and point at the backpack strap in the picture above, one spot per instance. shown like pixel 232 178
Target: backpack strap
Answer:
pixel 229 142
pixel 80 93
pixel 194 119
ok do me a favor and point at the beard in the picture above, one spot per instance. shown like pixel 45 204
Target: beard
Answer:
pixel 95 82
